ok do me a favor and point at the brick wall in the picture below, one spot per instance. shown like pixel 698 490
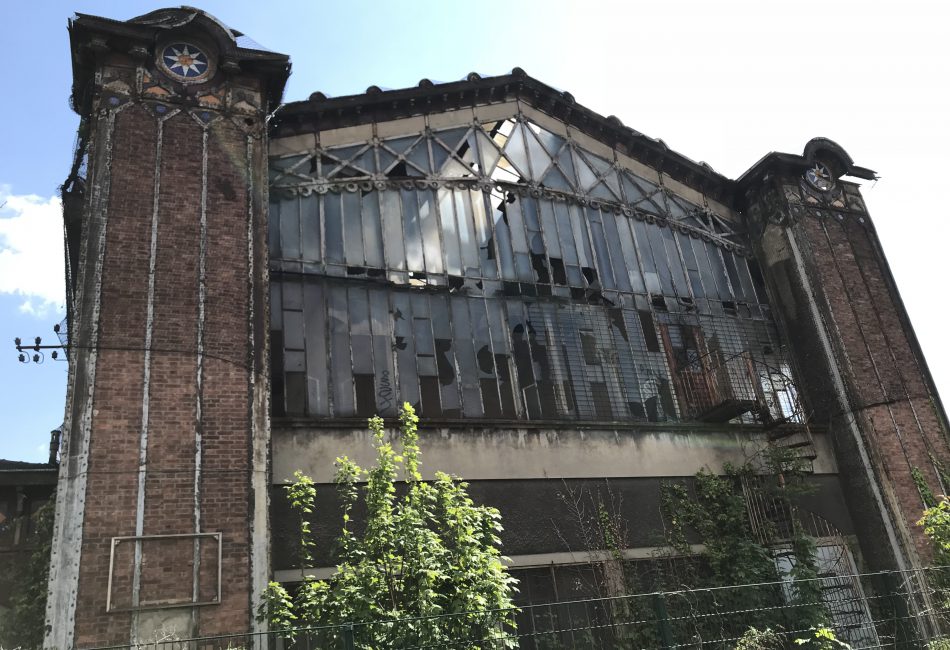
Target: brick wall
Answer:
pixel 223 500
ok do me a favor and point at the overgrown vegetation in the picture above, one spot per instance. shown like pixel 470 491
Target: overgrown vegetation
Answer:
pixel 24 624
pixel 426 553
pixel 715 511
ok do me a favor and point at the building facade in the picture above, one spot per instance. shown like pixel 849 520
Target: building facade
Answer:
pixel 573 308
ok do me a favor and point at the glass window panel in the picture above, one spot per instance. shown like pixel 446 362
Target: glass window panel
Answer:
pixel 731 272
pixel 292 295
pixel 273 230
pixel 400 145
pixel 745 281
pixel 516 151
pixel 680 283
pixel 412 228
pixel 565 161
pixel 505 172
pixel 549 225
pixel 418 156
pixel 405 349
pixel 487 153
pixel 600 246
pixel 360 331
pixel 585 175
pixel 599 165
pixel 519 242
pixel 719 271
pixel 655 238
pixel 485 237
pixel 422 326
pixel 552 143
pixel 315 318
pixel 540 160
pixel 632 189
pixel 445 345
pixel 503 235
pixel 275 305
pixel 293 330
pixel 521 332
pixel 366 161
pixel 453 256
pixel 630 254
pixel 387 160
pixel 567 248
pixel 465 354
pixel 600 191
pixel 705 270
pixel 507 386
pixel 372 230
pixel 675 208
pixel 392 229
pixel 468 242
pixel 294 361
pixel 453 138
pixel 658 199
pixel 345 153
pixel 341 364
pixel 455 169
pixel 692 268
pixel 384 370
pixel 616 253
pixel 579 227
pixel 429 223
pixel 651 276
pixel 613 183
pixel 290 227
pixel 310 227
pixel 555 180
pixel 570 322
pixel 439 157
pixel 500 131
pixel 352 229
pixel 333 223
pixel 531 219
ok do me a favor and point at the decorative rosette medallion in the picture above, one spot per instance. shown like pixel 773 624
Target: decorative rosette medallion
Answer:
pixel 820 178
pixel 185 62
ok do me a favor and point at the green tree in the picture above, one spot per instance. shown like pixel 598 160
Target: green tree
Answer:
pixel 427 556
pixel 25 621
pixel 936 523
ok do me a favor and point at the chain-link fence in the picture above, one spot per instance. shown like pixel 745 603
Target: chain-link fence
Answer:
pixel 889 609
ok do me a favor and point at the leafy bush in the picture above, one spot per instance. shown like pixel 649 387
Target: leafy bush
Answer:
pixel 428 554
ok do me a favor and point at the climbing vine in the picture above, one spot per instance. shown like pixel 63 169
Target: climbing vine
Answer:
pixel 714 510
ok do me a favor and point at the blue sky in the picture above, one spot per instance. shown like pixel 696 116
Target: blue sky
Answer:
pixel 725 82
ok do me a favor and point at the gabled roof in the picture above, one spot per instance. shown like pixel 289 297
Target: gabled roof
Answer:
pixel 320 112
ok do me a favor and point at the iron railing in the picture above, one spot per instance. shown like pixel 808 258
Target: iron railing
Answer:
pixel 889 609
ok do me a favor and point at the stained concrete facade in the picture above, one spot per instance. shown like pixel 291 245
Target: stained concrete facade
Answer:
pixel 571 305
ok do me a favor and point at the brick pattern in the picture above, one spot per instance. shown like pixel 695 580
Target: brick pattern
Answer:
pixel 114 442
pixel 224 492
pixel 883 373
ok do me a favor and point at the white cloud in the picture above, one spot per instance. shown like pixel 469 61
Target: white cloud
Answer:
pixel 31 251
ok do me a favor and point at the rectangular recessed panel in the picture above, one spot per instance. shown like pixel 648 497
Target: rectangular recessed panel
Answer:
pixel 169 570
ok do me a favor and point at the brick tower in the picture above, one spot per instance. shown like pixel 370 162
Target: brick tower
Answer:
pixel 161 524
pixel 862 370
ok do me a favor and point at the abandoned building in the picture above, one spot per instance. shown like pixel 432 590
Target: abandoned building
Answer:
pixel 569 304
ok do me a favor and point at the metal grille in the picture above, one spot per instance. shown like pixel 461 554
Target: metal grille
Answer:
pixel 872 610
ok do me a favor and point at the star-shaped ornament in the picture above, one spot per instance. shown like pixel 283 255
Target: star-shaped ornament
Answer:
pixel 185 61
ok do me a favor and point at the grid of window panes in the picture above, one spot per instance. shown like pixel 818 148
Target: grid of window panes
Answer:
pixel 485 300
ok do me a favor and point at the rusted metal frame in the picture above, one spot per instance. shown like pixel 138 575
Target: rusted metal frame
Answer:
pixel 138 539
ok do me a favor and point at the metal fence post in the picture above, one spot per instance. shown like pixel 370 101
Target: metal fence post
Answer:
pixel 348 636
pixel 662 621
